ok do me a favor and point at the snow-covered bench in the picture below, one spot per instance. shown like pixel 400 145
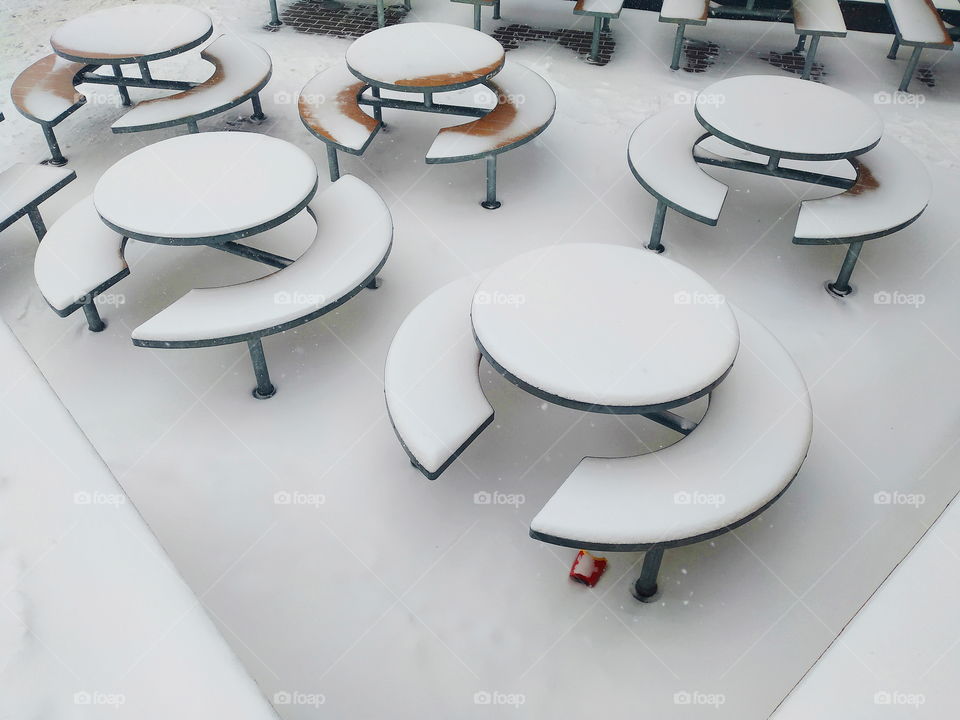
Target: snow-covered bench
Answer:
pixel 601 11
pixel 354 236
pixel 432 389
pixel 477 4
pixel 660 154
pixel 97 622
pixel 741 457
pixel 45 93
pixel 241 70
pixel 79 259
pixel 917 24
pixel 816 19
pixel 525 106
pixel 23 187
pixel 683 13
pixel 330 109
pixel 892 190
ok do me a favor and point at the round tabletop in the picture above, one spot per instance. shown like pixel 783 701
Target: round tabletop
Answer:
pixel 792 118
pixel 432 57
pixel 605 328
pixel 131 33
pixel 205 188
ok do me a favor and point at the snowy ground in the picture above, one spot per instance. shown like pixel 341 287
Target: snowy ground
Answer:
pixel 397 597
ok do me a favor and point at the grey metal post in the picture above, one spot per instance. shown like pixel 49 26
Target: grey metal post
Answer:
pixel 911 68
pixel 894 47
pixel 257 109
pixel 124 95
pixel 193 127
pixel 605 26
pixel 657 230
pixel 274 23
pixel 94 322
pixel 56 157
pixel 428 98
pixel 841 287
pixel 595 40
pixel 381 15
pixel 677 47
pixel 374 284
pixel 476 16
pixel 801 44
pixel 377 110
pixel 145 71
pixel 38 227
pixel 773 162
pixel 332 163
pixel 264 388
pixel 646 585
pixel 491 203
pixel 496 10
pixel 811 54
pixel 407 5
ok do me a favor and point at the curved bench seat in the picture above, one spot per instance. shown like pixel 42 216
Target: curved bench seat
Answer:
pixel 660 155
pixel 23 187
pixel 891 191
pixel 742 456
pixel 79 258
pixel 354 237
pixel 241 70
pixel 431 385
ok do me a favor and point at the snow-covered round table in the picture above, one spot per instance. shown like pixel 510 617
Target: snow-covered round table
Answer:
pixel 788 118
pixel 131 33
pixel 424 57
pixel 605 328
pixel 206 189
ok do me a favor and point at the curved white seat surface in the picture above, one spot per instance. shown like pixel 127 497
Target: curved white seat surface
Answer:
pixel 22 184
pixel 893 187
pixel 919 23
pixel 746 450
pixel 78 254
pixel 525 106
pixel 354 232
pixel 329 109
pixel 45 91
pixel 240 67
pixel 430 380
pixel 693 11
pixel 821 17
pixel 660 154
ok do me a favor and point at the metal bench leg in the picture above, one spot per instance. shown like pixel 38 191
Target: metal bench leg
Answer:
pixel 193 127
pixel 605 25
pixel 894 48
pixel 381 15
pixel 407 6
pixel 124 95
pixel 94 322
pixel 491 203
pixel 911 68
pixel 374 284
pixel 496 10
pixel 332 163
pixel 56 157
pixel 258 115
pixel 811 54
pixel 677 47
pixel 645 588
pixel 801 44
pixel 657 230
pixel 476 16
pixel 274 23
pixel 595 40
pixel 264 388
pixel 38 227
pixel 377 110
pixel 842 287
pixel 145 71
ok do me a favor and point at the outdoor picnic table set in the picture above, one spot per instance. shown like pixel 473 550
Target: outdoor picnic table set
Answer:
pixel 641 335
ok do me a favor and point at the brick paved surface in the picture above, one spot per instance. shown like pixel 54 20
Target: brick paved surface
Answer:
pixel 793 62
pixel 513 36
pixel 351 21
pixel 698 55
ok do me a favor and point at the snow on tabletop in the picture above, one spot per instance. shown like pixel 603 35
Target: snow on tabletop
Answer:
pixel 525 105
pixel 354 232
pixel 425 55
pixel 21 184
pixel 605 324
pixel 603 7
pixel 918 22
pixel 746 449
pixel 97 620
pixel 78 254
pixel 431 380
pixel 328 107
pixel 205 184
pixel 892 188
pixel 660 151
pixel 130 32
pixel 789 115
pixel 819 16
pixel 685 10
pixel 45 90
pixel 239 67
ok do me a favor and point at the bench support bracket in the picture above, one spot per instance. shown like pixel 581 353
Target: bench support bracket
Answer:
pixel 37 221
pixel 645 588
pixel 332 163
pixel 264 389
pixel 595 40
pixel 491 203
pixel 677 47
pixel 841 287
pixel 657 231
pixel 121 87
pixel 56 157
pixel 811 54
pixel 911 68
